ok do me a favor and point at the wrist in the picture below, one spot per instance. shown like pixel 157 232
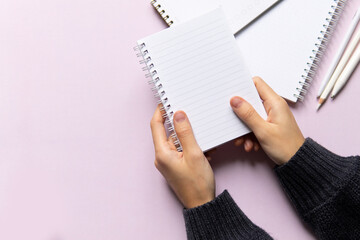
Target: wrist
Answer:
pixel 196 202
pixel 290 151
pixel 295 148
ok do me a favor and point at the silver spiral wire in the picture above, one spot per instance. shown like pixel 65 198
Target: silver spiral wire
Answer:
pixel 320 46
pixel 158 91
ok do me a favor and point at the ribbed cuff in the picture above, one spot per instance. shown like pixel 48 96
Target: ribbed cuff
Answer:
pixel 314 175
pixel 221 219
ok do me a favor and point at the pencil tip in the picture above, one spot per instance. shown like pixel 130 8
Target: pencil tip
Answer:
pixel 321 101
pixel 318 107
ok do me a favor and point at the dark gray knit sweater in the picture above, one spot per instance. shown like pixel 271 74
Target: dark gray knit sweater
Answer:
pixel 323 187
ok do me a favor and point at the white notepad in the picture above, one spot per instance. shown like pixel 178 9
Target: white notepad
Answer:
pixel 239 12
pixel 285 46
pixel 197 67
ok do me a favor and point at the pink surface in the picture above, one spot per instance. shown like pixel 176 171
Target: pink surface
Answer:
pixel 76 155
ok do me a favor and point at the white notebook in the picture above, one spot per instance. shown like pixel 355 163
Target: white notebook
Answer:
pixel 197 67
pixel 285 46
pixel 239 12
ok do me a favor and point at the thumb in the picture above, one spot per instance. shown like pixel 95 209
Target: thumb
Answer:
pixel 247 113
pixel 184 131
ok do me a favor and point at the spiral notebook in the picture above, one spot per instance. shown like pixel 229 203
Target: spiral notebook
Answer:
pixel 197 67
pixel 239 12
pixel 285 46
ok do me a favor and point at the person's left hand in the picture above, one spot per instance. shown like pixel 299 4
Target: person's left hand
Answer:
pixel 188 173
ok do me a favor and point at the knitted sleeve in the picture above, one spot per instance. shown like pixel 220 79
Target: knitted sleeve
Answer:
pixel 325 190
pixel 221 219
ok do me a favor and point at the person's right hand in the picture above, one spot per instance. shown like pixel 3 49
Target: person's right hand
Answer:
pixel 278 135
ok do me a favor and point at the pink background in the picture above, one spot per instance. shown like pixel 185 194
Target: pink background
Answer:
pixel 76 155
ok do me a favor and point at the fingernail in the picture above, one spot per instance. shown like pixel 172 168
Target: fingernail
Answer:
pixel 179 117
pixel 236 102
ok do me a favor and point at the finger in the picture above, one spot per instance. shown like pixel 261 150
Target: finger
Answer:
pixel 248 145
pixel 266 93
pixel 264 90
pixel 184 132
pixel 247 114
pixel 209 153
pixel 256 146
pixel 238 142
pixel 157 129
pixel 171 143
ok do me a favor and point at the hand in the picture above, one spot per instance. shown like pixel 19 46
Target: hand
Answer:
pixel 188 173
pixel 278 135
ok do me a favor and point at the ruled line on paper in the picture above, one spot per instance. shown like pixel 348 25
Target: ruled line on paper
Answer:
pixel 208 75
pixel 192 41
pixel 187 91
pixel 180 56
pixel 216 57
pixel 188 33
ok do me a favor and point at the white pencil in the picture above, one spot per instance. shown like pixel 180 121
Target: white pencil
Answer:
pixel 347 72
pixel 339 68
pixel 341 50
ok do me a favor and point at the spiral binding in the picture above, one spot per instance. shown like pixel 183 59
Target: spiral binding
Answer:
pixel 162 12
pixel 320 47
pixel 159 91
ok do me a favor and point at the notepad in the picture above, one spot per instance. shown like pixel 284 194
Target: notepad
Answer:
pixel 239 12
pixel 285 46
pixel 197 67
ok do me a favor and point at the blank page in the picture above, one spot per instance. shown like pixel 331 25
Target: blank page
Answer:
pixel 239 12
pixel 278 47
pixel 200 68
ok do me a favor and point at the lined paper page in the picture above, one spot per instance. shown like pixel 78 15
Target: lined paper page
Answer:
pixel 200 69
